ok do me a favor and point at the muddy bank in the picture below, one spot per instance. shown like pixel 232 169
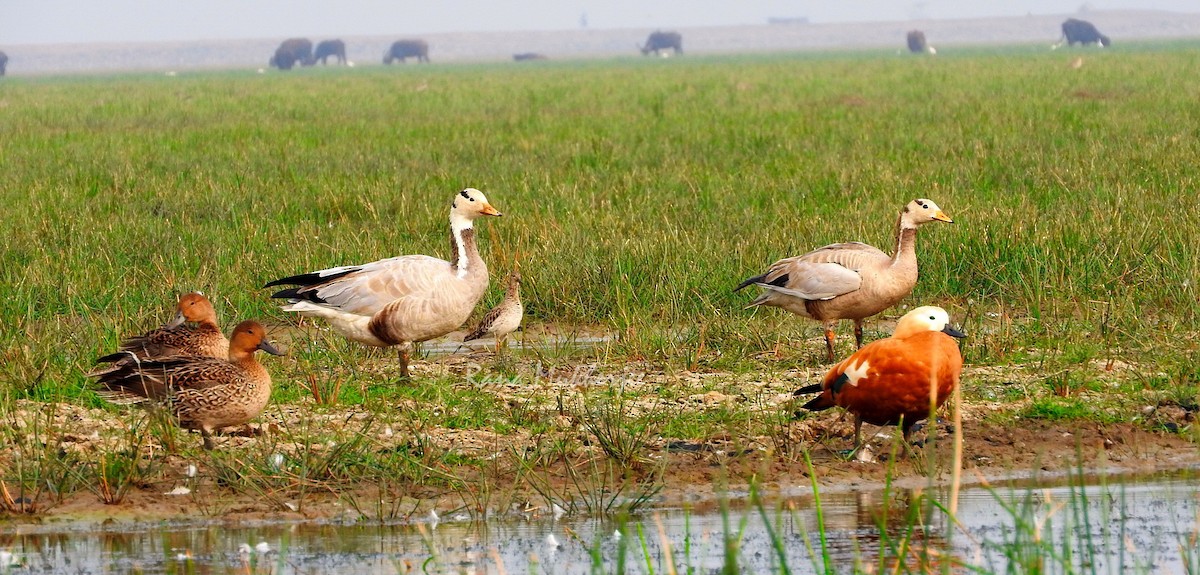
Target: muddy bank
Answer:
pixel 544 439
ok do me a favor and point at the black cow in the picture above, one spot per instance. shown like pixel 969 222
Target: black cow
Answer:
pixel 327 48
pixel 526 56
pixel 1082 32
pixel 290 52
pixel 3 62
pixel 660 40
pixel 402 49
pixel 917 44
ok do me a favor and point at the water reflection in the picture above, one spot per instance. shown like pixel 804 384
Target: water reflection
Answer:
pixel 870 531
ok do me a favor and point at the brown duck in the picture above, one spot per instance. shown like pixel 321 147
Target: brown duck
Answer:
pixel 204 393
pixel 505 318
pixel 177 337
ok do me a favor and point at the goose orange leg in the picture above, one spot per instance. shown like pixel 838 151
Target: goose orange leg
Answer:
pixel 858 332
pixel 829 335
pixel 404 357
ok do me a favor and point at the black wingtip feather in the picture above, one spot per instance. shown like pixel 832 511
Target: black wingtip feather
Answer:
pixel 750 281
pixel 818 403
pixel 305 285
pixel 296 280
pixel 112 357
pixel 298 293
pixel 814 388
pixel 309 279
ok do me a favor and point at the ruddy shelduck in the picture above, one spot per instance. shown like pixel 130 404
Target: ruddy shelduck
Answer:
pixel 888 381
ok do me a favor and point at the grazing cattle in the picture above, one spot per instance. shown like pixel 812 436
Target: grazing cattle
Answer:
pixel 917 43
pixel 327 48
pixel 659 41
pixel 525 56
pixel 3 62
pixel 1081 32
pixel 290 52
pixel 402 49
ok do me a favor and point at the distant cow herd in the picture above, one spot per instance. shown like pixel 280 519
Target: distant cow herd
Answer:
pixel 300 51
pixel 1074 31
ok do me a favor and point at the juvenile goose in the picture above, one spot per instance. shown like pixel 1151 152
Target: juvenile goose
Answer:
pixel 177 337
pixel 887 382
pixel 401 300
pixel 849 280
pixel 204 393
pixel 505 318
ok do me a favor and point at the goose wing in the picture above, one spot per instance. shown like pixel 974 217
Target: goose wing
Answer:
pixel 823 273
pixel 366 289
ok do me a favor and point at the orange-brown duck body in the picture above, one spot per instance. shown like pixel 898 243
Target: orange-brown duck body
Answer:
pixel 888 382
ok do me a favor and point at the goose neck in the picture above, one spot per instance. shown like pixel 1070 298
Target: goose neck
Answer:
pixel 906 241
pixel 466 253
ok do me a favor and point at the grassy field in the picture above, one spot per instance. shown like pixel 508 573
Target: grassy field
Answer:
pixel 637 193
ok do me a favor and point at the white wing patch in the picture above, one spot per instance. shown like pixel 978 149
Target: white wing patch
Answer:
pixel 855 373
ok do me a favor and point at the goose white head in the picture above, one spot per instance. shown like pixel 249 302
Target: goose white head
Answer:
pixel 922 211
pixel 468 205
pixel 925 318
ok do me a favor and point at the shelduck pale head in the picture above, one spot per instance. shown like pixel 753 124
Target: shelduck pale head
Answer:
pixel 925 318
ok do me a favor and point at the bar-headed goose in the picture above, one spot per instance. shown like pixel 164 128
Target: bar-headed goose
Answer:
pixel 850 280
pixel 402 300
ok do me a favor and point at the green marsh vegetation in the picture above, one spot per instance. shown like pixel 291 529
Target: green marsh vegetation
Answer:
pixel 636 194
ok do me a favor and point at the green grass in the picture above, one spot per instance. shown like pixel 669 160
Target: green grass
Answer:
pixel 636 193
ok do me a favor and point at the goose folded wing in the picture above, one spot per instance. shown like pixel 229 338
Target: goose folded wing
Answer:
pixel 813 281
pixel 832 251
pixel 375 285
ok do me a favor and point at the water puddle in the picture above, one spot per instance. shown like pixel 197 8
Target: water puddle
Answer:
pixel 1142 526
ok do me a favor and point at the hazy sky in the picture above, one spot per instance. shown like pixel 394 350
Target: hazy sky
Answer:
pixel 69 21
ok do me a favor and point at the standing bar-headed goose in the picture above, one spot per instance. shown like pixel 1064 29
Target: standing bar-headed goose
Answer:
pixel 887 382
pixel 402 300
pixel 204 393
pixel 177 337
pixel 850 280
pixel 505 318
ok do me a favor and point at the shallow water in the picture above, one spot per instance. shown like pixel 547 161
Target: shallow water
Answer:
pixel 1140 526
